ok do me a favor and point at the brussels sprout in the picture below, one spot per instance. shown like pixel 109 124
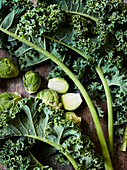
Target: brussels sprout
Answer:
pixel 8 100
pixel 31 81
pixel 8 68
pixel 71 101
pixel 49 97
pixel 58 84
pixel 74 117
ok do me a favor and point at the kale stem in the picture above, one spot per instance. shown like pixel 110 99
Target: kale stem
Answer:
pixel 57 146
pixel 124 143
pixel 36 160
pixel 109 105
pixel 84 15
pixel 105 152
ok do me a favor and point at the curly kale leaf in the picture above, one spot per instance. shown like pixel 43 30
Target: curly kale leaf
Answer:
pixel 71 5
pixel 117 81
pixel 15 4
pixel 42 19
pixel 15 48
pixel 29 57
pixel 79 145
pixel 36 120
pixel 115 78
pixel 14 153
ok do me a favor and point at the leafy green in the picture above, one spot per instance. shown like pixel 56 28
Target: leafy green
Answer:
pixel 10 20
pixel 41 19
pixel 39 121
pixel 14 153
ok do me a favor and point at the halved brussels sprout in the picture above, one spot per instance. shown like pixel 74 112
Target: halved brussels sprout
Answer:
pixel 58 84
pixel 8 68
pixel 71 101
pixel 8 100
pixel 31 81
pixel 50 97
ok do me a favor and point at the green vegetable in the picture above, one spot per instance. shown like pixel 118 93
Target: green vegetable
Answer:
pixel 36 120
pixel 49 97
pixel 71 101
pixel 8 100
pixel 74 117
pixel 8 68
pixel 31 81
pixel 43 19
pixel 58 84
pixel 124 143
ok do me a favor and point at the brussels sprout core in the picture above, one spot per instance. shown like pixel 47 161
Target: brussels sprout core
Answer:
pixel 49 97
pixel 58 84
pixel 71 101
pixel 8 68
pixel 74 117
pixel 31 81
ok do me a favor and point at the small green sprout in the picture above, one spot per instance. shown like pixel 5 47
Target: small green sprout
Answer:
pixel 71 101
pixel 58 84
pixel 8 68
pixel 74 117
pixel 8 100
pixel 50 97
pixel 31 81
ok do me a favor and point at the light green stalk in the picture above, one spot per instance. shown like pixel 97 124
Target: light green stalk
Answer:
pixel 105 152
pixel 124 143
pixel 109 105
pixel 36 160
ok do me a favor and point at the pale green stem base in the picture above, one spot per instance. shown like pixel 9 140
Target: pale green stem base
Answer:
pixel 124 143
pixel 109 105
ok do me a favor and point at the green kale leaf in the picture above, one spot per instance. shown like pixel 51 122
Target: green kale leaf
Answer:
pixel 39 121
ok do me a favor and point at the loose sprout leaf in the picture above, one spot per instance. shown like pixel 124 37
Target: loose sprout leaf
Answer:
pixel 7 22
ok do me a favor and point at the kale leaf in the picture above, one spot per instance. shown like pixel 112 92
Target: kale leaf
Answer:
pixel 38 121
